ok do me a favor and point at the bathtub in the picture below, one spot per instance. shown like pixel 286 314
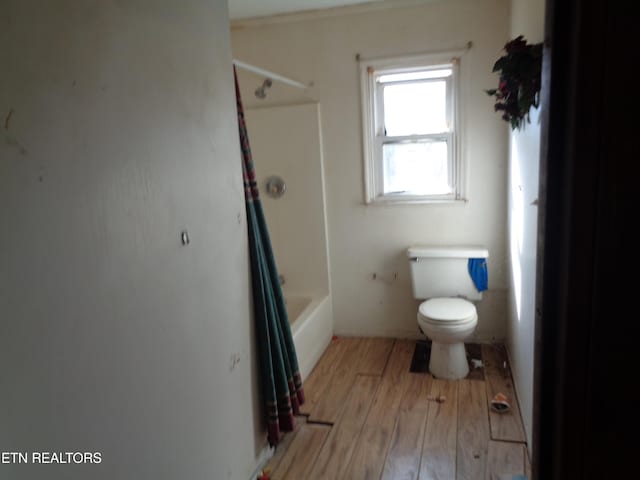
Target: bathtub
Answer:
pixel 311 319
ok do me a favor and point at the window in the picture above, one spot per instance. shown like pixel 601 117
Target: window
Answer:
pixel 410 127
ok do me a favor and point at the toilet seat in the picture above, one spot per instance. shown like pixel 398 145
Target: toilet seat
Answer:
pixel 448 322
pixel 447 311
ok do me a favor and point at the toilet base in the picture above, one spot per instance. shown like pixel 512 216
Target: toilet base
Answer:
pixel 448 361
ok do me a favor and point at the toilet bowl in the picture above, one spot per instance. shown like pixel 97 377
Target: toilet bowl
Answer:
pixel 448 322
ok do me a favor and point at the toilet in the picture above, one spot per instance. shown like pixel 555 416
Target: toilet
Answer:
pixel 440 276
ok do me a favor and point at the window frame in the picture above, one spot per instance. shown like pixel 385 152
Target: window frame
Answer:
pixel 372 126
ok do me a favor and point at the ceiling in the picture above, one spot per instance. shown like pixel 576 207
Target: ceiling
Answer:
pixel 239 9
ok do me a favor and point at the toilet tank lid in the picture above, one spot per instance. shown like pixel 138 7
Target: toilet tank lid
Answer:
pixel 428 251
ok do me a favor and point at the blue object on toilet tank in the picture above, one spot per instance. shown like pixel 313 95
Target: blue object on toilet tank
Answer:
pixel 478 271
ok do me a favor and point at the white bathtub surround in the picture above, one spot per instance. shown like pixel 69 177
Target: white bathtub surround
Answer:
pixel 285 141
pixel 295 306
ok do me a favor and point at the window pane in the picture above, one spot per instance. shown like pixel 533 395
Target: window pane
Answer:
pixel 421 75
pixel 415 108
pixel 418 168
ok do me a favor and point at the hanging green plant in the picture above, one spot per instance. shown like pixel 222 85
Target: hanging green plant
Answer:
pixel 519 86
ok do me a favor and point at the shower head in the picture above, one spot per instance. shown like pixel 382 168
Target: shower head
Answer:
pixel 261 91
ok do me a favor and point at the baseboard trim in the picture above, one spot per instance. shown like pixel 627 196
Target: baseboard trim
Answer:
pixel 263 459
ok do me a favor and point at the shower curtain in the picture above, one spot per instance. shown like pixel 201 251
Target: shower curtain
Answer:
pixel 281 383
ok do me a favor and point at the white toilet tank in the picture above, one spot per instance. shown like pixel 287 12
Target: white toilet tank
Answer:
pixel 443 271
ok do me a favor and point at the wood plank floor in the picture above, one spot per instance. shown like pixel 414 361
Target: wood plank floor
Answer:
pixel 368 417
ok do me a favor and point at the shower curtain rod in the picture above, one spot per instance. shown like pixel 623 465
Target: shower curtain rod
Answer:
pixel 271 75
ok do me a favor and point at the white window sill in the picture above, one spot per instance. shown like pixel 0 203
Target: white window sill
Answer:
pixel 415 201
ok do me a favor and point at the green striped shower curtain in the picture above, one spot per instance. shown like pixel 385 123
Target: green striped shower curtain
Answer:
pixel 281 383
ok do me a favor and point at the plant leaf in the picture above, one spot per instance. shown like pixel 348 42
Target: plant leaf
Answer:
pixel 500 64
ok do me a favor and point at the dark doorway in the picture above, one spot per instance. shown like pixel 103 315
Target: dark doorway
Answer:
pixel 585 406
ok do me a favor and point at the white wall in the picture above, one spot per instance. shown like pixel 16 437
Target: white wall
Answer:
pixel 372 239
pixel 114 337
pixel 527 18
